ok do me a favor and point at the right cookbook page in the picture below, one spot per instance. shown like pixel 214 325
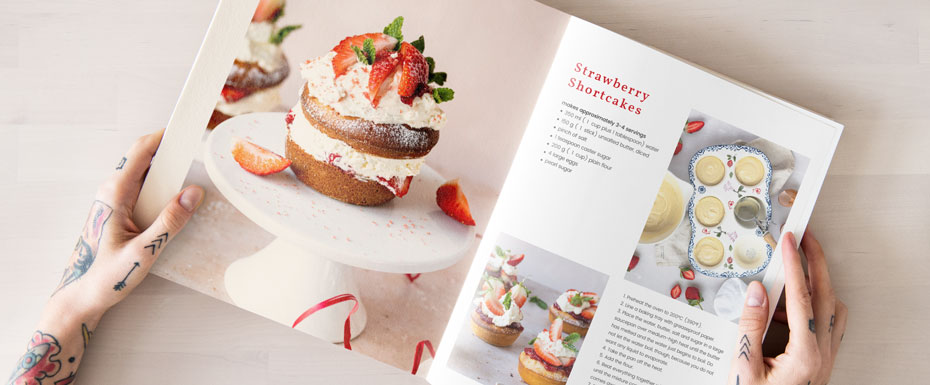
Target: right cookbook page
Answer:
pixel 645 195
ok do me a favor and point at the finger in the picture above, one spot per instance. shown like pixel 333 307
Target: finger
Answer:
pixel 748 357
pixel 169 222
pixel 839 327
pixel 822 297
pixel 802 337
pixel 132 168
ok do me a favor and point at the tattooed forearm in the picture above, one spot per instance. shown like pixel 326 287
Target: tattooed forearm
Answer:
pixel 122 162
pixel 811 326
pixel 157 243
pixel 121 284
pixel 832 317
pixel 85 251
pixel 743 350
pixel 86 334
pixel 39 362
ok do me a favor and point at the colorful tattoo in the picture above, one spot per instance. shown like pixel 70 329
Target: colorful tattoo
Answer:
pixel 66 381
pixel 122 284
pixel 157 243
pixel 39 362
pixel 85 251
pixel 86 333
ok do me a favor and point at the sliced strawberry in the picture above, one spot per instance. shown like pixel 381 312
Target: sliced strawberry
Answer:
pixel 593 295
pixel 231 94
pixel 345 56
pixel 546 356
pixel 676 291
pixel 687 273
pixel 415 70
pixel 518 294
pixel 397 185
pixel 493 284
pixel 589 312
pixel 678 147
pixel 380 71
pixel 452 201
pixel 566 361
pixel 267 9
pixel 423 90
pixel 555 330
pixel 257 159
pixel 693 127
pixel 507 277
pixel 633 262
pixel 515 259
pixel 493 305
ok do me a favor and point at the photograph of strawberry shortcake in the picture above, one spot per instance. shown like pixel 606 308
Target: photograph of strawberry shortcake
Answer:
pixel 496 319
pixel 505 305
pixel 253 83
pixel 576 308
pixel 550 360
pixel 503 264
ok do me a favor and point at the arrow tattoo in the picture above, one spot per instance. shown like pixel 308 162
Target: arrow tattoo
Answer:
pixel 156 244
pixel 744 348
pixel 122 284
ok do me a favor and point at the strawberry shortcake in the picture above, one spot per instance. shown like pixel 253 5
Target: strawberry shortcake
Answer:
pixel 367 116
pixel 576 308
pixel 260 67
pixel 550 359
pixel 503 264
pixel 496 319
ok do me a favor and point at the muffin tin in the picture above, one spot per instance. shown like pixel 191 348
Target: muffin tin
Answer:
pixel 728 191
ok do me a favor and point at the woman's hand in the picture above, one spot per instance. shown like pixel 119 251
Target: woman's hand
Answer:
pixel 111 257
pixel 816 319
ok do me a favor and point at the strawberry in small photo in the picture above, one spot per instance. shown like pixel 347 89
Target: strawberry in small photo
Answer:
pixel 676 291
pixel 687 273
pixel 693 295
pixel 633 262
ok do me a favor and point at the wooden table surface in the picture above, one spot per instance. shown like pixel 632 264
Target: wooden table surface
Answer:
pixel 80 80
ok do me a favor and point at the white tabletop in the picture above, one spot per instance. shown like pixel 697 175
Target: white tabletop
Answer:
pixel 82 80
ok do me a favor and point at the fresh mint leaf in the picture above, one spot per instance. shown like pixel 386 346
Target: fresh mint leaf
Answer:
pixel 394 30
pixel 419 44
pixel 508 300
pixel 431 63
pixel 532 341
pixel 278 36
pixel 542 304
pixel 443 94
pixel 366 54
pixel 571 338
pixel 438 78
pixel 278 14
pixel 499 251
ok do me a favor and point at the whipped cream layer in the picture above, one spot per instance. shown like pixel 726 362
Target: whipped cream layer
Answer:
pixel 338 153
pixel 565 303
pixel 261 101
pixel 257 47
pixel 510 315
pixel 346 95
pixel 555 348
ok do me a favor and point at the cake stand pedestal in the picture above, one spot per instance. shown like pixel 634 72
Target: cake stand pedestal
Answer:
pixel 320 239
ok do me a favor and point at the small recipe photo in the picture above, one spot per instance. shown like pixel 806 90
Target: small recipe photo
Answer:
pixel 529 318
pixel 717 216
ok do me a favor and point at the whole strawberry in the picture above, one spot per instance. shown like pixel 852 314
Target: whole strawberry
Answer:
pixel 693 295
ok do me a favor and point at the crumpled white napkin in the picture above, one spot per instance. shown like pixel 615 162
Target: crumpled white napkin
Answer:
pixel 674 250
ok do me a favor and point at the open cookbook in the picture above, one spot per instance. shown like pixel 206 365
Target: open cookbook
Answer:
pixel 545 201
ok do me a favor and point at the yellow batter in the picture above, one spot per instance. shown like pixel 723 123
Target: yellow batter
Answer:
pixel 708 251
pixel 709 211
pixel 749 170
pixel 709 170
pixel 666 213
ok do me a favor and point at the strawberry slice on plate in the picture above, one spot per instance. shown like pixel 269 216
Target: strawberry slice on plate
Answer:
pixel 345 55
pixel 415 70
pixel 452 201
pixel 257 159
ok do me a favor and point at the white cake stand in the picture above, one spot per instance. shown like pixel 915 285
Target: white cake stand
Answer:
pixel 319 238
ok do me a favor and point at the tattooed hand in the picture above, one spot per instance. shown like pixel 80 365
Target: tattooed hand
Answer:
pixel 816 318
pixel 110 258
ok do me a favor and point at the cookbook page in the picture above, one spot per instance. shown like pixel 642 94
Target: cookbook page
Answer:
pixel 645 195
pixel 322 132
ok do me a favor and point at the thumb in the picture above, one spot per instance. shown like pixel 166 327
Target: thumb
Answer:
pixel 747 360
pixel 170 221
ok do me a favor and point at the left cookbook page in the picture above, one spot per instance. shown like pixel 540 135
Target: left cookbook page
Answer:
pixel 323 150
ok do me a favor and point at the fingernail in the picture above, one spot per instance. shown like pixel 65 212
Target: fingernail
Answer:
pixel 755 294
pixel 191 198
pixel 790 237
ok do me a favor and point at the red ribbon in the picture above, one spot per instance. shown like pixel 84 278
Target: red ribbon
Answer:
pixel 330 302
pixel 419 354
pixel 413 277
